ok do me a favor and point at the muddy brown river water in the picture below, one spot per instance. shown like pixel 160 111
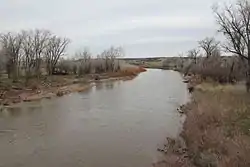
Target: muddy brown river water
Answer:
pixel 113 124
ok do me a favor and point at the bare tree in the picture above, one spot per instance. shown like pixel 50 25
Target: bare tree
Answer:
pixel 234 22
pixel 28 58
pixel 55 49
pixel 2 58
pixel 208 45
pixel 41 38
pixel 2 61
pixel 34 45
pixel 119 54
pixel 100 64
pixel 105 57
pixel 193 54
pixel 111 55
pixel 181 62
pixel 84 58
pixel 11 44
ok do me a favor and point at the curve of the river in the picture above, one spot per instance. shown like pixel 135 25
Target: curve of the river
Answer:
pixel 113 124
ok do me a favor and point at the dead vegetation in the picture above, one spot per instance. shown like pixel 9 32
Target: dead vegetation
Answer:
pixel 216 131
pixel 34 53
pixel 34 63
pixel 217 127
pixel 209 59
pixel 56 85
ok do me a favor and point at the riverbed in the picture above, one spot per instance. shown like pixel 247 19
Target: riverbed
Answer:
pixel 112 124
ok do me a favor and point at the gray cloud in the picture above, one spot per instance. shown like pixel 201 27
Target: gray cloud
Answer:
pixel 142 27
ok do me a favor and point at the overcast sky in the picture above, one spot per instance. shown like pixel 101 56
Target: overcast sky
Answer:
pixel 143 27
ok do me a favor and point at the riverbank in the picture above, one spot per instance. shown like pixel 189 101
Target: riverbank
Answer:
pixel 52 86
pixel 216 131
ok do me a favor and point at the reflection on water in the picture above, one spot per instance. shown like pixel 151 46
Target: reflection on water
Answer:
pixel 13 112
pixel 19 110
pixel 115 124
pixel 99 86
pixel 109 85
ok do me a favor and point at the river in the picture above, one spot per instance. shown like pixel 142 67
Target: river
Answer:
pixel 113 124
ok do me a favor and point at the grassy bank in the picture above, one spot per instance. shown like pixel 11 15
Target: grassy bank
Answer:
pixel 57 85
pixel 216 131
pixel 217 128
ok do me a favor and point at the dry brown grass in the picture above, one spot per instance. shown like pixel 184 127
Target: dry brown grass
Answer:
pixel 217 127
pixel 128 71
pixel 216 130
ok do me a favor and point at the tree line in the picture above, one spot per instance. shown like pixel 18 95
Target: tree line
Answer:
pixel 233 22
pixel 27 52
